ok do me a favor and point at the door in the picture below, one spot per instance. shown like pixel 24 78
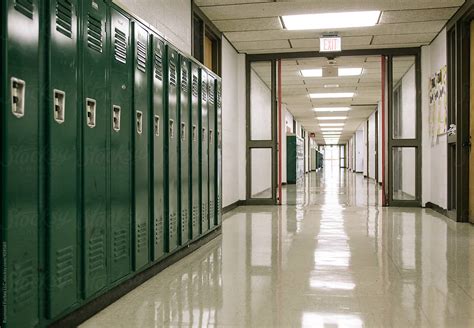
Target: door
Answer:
pixel 471 130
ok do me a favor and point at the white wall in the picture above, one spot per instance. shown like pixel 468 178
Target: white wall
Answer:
pixel 365 155
pixel 434 156
pixel 372 150
pixel 359 151
pixel 171 18
pixel 380 138
pixel 233 125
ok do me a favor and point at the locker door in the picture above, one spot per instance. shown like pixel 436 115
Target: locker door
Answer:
pixel 204 153
pixel 212 149
pixel 19 152
pixel 184 137
pixel 62 173
pixel 219 150
pixel 195 146
pixel 172 139
pixel 94 132
pixel 158 163
pixel 141 149
pixel 120 132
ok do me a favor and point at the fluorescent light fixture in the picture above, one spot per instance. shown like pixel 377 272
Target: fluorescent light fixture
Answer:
pixel 349 71
pixel 331 124
pixel 318 72
pixel 331 20
pixel 331 129
pixel 331 85
pixel 332 95
pixel 331 118
pixel 331 109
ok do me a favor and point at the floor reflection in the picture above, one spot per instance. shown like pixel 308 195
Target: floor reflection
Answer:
pixel 331 257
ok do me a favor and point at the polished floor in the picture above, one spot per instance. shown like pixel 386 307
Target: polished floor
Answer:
pixel 331 257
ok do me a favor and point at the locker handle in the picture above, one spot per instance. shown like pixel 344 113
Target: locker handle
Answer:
pixel 171 129
pixel 194 133
pixel 90 111
pixel 157 126
pixel 210 136
pixel 183 131
pixel 203 134
pixel 116 115
pixel 18 97
pixel 139 122
pixel 59 106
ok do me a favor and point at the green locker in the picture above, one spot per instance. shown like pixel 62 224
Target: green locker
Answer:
pixel 158 162
pixel 120 134
pixel 204 153
pixel 194 163
pixel 212 149
pixel 94 132
pixel 219 150
pixel 184 133
pixel 172 147
pixel 141 149
pixel 20 162
pixel 61 152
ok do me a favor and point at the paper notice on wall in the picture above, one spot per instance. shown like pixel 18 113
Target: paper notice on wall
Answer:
pixel 438 115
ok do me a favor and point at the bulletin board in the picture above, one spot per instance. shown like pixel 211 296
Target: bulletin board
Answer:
pixel 438 103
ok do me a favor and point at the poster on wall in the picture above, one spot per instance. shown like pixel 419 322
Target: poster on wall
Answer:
pixel 438 104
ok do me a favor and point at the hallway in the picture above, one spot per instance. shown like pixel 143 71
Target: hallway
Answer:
pixel 331 258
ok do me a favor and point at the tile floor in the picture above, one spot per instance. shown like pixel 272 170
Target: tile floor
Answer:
pixel 331 257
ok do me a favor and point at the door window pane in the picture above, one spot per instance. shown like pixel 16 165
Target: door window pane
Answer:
pixel 404 173
pixel 404 98
pixel 260 101
pixel 261 170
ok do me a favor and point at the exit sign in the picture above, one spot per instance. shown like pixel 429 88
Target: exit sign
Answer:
pixel 330 44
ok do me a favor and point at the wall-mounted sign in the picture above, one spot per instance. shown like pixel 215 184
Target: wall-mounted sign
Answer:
pixel 330 44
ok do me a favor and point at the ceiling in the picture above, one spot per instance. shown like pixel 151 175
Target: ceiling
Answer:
pixel 254 27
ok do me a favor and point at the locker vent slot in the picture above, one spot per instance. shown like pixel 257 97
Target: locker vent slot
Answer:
pixel 184 80
pixel 96 254
pixel 25 7
pixel 120 46
pixel 219 97
pixel 194 215
pixel 64 266
pixel 94 33
pixel 172 225
pixel 211 210
pixel 204 91
pixel 141 56
pixel 211 94
pixel 172 73
pixel 158 230
pixel 120 244
pixel 23 284
pixel 141 237
pixel 64 17
pixel 195 85
pixel 158 65
pixel 184 219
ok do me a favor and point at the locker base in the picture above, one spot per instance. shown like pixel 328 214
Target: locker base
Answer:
pixel 86 311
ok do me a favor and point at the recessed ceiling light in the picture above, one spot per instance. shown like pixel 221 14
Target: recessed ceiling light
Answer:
pixel 332 95
pixel 331 20
pixel 331 85
pixel 331 124
pixel 331 129
pixel 330 118
pixel 318 72
pixel 349 71
pixel 331 109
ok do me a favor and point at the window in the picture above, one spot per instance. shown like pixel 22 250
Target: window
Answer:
pixel 206 41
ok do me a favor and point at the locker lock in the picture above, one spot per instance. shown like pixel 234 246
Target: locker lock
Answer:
pixel 210 136
pixel 59 106
pixel 171 129
pixel 203 134
pixel 157 125
pixel 18 97
pixel 116 113
pixel 195 137
pixel 90 112
pixel 139 122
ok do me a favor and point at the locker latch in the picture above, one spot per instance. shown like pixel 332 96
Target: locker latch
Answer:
pixel 157 126
pixel 195 137
pixel 116 113
pixel 18 97
pixel 171 129
pixel 91 110
pixel 203 134
pixel 139 122
pixel 183 131
pixel 59 106
pixel 210 136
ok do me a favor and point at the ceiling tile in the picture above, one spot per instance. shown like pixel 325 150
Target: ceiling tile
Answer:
pixel 404 38
pixel 251 24
pixel 262 45
pixel 405 16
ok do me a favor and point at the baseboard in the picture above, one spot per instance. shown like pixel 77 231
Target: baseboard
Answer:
pixel 230 207
pixel 437 208
pixel 101 302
